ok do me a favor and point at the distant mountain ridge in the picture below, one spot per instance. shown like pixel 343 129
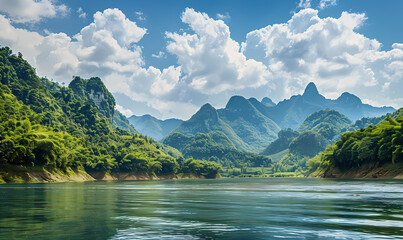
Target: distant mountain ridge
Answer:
pixel 290 113
pixel 246 127
pixel 153 127
pixel 251 124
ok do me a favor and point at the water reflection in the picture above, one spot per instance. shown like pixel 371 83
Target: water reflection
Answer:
pixel 200 209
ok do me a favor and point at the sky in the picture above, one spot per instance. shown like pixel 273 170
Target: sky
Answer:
pixel 168 58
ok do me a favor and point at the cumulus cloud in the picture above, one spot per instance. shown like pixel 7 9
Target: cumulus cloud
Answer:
pixel 275 61
pixel 31 11
pixel 329 52
pixel 211 61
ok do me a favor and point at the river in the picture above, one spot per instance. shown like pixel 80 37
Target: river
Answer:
pixel 283 208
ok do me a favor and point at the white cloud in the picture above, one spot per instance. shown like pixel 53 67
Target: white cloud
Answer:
pixel 159 55
pixel 304 4
pixel 25 11
pixel 211 61
pixel 124 111
pixel 275 61
pixel 326 3
pixel 81 13
pixel 223 16
pixel 140 16
pixel 329 52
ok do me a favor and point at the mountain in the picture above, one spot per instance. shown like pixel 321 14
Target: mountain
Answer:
pixel 374 151
pixel 246 127
pixel 95 91
pixel 301 148
pixel 153 127
pixel 251 125
pixel 214 146
pixel 254 128
pixel 207 120
pixel 328 123
pixel 316 132
pixel 54 133
pixel 290 113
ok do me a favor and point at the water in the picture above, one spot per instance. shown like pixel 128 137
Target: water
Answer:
pixel 204 209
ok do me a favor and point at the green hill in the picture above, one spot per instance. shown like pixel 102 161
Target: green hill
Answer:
pixel 255 129
pixel 214 146
pixel 207 120
pixel 284 139
pixel 48 128
pixel 329 123
pixel 369 152
pixel 246 127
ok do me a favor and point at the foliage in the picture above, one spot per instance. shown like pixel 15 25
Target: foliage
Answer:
pixel 284 139
pixel 201 168
pixel 328 123
pixel 308 143
pixel 214 146
pixel 45 124
pixel 373 145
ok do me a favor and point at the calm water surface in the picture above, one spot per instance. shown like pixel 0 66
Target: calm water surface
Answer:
pixel 204 209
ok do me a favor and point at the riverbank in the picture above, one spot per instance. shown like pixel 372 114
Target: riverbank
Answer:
pixel 21 174
pixel 387 171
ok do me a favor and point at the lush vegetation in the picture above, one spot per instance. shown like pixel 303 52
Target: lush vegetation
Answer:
pixel 46 125
pixel 246 127
pixel 216 147
pixel 284 139
pixel 373 146
pixel 328 123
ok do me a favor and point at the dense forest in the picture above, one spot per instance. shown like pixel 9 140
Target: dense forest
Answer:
pixel 46 126
pixel 371 147
pixel 216 147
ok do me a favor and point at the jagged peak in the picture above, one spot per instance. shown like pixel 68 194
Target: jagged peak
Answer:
pixel 311 90
pixel 207 107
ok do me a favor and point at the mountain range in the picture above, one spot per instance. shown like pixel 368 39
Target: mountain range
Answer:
pixel 251 124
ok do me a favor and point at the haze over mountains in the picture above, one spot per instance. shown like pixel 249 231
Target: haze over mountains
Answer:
pixel 251 124
pixel 154 127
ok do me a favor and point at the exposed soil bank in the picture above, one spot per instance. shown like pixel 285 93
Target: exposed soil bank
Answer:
pixel 388 171
pixel 21 174
pixel 132 176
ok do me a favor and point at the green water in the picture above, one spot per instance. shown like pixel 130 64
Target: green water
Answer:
pixel 204 209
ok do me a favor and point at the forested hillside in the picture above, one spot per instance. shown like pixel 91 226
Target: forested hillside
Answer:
pixel 48 127
pixel 368 152
pixel 216 147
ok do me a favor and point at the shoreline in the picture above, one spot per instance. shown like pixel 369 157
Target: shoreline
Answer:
pixel 19 174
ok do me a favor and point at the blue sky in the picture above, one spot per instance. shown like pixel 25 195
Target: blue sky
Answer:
pixel 169 65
